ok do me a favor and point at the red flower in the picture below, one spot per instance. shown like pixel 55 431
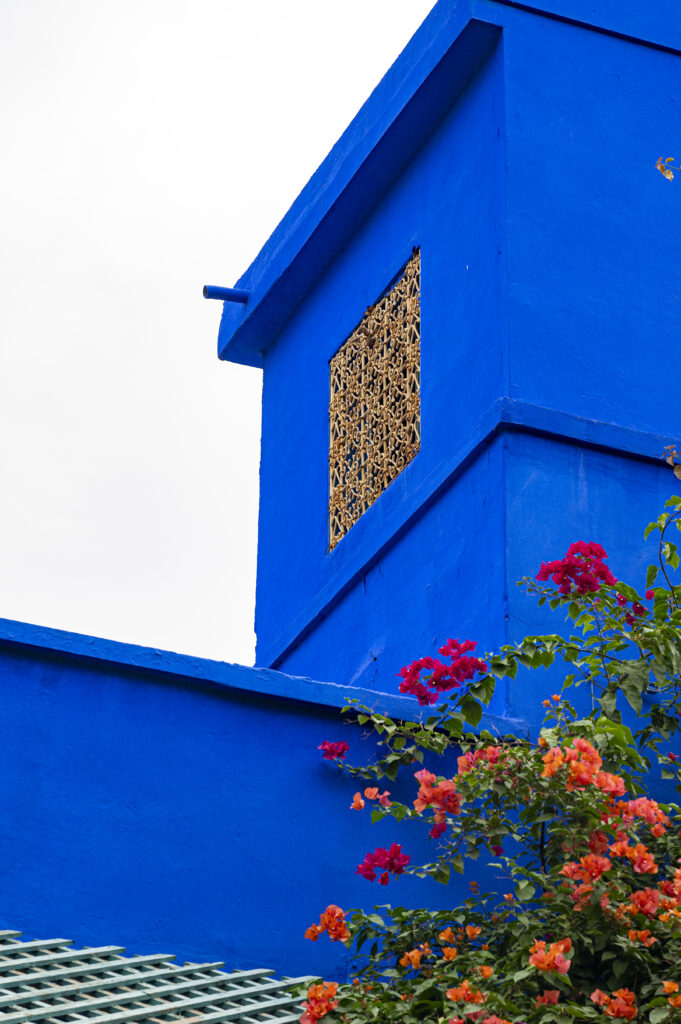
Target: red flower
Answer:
pixel 391 861
pixel 442 677
pixel 333 750
pixel 582 567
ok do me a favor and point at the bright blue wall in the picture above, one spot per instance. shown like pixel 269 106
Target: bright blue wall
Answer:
pixel 594 232
pixel 557 493
pixel 452 209
pixel 550 308
pixel 170 804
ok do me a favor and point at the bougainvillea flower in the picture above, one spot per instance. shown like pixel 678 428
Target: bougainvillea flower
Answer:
pixel 465 994
pixel 441 677
pixel 412 959
pixel 320 1000
pixel 622 1004
pixel 332 921
pixel 645 901
pixel 391 861
pixel 549 997
pixel 333 750
pixel 582 567
pixel 551 958
pixel 371 793
pixel 642 936
pixel 357 802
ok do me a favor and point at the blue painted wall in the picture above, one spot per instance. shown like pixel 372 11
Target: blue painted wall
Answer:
pixel 170 804
pixel 551 277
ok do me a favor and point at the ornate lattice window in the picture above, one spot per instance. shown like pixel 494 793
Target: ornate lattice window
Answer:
pixel 374 407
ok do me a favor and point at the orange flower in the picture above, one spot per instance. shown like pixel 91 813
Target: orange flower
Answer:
pixel 357 802
pixel 331 921
pixel 553 760
pixel 486 971
pixel 464 993
pixel 643 936
pixel 643 860
pixel 550 997
pixel 449 953
pixel 551 958
pixel 472 931
pixel 320 999
pixel 613 785
pixel 412 959
pixel 447 936
pixel 371 793
pixel 670 986
pixel 620 1004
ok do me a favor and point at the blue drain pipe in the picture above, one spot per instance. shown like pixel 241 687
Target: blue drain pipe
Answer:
pixel 212 291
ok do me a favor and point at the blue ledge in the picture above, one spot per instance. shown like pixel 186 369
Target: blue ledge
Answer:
pixel 172 668
pixel 403 110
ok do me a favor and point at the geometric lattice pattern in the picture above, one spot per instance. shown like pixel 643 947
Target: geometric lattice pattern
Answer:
pixel 49 982
pixel 374 405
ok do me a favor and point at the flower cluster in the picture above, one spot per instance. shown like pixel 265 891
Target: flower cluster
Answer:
pixel 552 957
pixel 582 567
pixel 442 796
pixel 332 921
pixel 463 666
pixel 489 755
pixel 620 1004
pixel 333 750
pixel 391 861
pixel 320 1000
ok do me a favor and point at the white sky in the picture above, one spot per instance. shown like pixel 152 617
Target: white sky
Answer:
pixel 148 147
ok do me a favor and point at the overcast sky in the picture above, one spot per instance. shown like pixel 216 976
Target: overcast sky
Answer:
pixel 149 147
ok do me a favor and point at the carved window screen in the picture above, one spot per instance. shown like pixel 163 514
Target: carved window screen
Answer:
pixel 374 405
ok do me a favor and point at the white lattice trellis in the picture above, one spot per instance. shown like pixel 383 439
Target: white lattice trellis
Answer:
pixel 49 982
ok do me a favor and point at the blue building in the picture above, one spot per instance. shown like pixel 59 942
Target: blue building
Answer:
pixel 493 206
pixel 469 328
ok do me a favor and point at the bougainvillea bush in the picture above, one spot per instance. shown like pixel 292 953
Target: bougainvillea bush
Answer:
pixel 583 921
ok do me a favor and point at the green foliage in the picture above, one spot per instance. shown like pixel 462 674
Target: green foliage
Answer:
pixel 587 906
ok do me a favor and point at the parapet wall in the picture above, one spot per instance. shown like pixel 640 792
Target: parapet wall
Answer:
pixel 163 802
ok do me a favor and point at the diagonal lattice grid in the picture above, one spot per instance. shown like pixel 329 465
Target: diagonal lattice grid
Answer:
pixel 49 982
pixel 374 405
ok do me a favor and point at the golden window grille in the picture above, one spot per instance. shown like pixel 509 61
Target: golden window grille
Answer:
pixel 374 405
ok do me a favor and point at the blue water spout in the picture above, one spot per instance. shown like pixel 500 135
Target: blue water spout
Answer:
pixel 212 291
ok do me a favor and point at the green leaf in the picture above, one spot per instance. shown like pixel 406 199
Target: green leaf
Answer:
pixel 649 529
pixel 651 576
pixel 472 710
pixel 658 1014
pixel 525 890
pixel 633 680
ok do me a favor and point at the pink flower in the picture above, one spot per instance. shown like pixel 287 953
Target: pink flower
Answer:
pixel 391 861
pixel 333 750
pixel 650 594
pixel 582 567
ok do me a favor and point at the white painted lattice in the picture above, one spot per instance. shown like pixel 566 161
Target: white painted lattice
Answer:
pixel 48 981
pixel 374 405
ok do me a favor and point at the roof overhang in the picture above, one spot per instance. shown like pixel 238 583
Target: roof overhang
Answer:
pixel 404 109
